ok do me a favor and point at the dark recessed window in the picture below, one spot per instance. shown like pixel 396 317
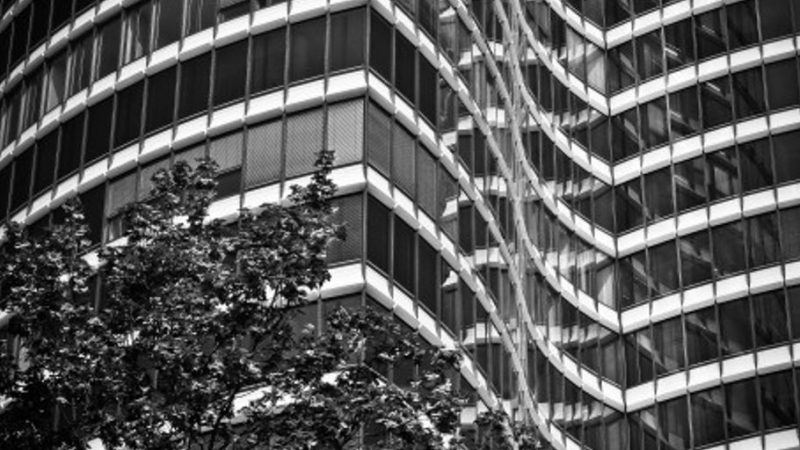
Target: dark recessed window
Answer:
pixel 100 122
pixel 82 5
pixel 93 203
pixel 19 45
pixel 307 49
pixel 426 275
pixel 268 60
pixel 702 331
pixel 710 34
pixel 426 182
pixel 695 254
pixel 679 44
pixel 777 400
pixel 684 112
pixel 137 33
pixel 129 114
pixel 668 345
pixel 790 237
pixel 756 165
pixel 378 217
pixel 658 191
pixel 379 138
pixel 303 141
pixel 405 67
pixel 160 99
pixel 5 190
pixel 782 88
pixel 771 321
pixel 762 239
pixel 663 274
pixel 194 86
pixel 708 420
pixel 233 9
pixel 347 39
pixel 787 158
pixel 168 23
pixel 403 152
pixel 230 72
pixel 62 10
pixel 741 408
pixel 23 169
pixel 673 420
pixel 690 183
pixel 428 82
pixel 649 51
pixel 715 97
pixel 46 151
pixel 380 44
pixel 735 323
pixel 742 29
pixel 81 65
pixel 69 155
pixel 108 44
pixel 41 20
pixel 404 247
pixel 723 173
pixel 775 17
pixel 654 122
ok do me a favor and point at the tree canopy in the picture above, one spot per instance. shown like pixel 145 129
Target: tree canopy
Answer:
pixel 191 342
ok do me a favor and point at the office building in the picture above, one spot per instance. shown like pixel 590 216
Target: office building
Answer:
pixel 596 200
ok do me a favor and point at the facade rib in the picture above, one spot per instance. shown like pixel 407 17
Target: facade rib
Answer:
pixel 596 201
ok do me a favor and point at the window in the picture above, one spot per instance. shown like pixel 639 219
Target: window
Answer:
pixel 748 91
pixel 405 67
pixel 347 39
pixel 658 190
pixel 268 60
pixel 137 33
pixel 782 88
pixel 169 17
pixel 160 99
pixel 19 46
pixel 742 29
pixel 100 122
pixel 428 82
pixel 121 192
pixel 380 42
pixel 684 112
pixel 790 234
pixel 741 408
pixel 403 152
pixel 93 210
pixel 715 97
pixel 230 72
pixel 756 165
pixel 46 151
pixel 379 138
pixel 775 17
pixel 426 182
pixel 426 275
pixel 695 254
pixel 735 331
pixel 231 9
pixel 41 19
pixel 264 154
pixel 200 14
pixel 5 189
pixel 728 242
pixel 69 156
pixel 108 45
pixel 679 44
pixel 303 142
pixel 690 183
pixel 710 34
pixel 723 173
pixel 663 274
pixel 23 169
pixel 307 49
pixel 404 255
pixel 668 345
pixel 787 157
pixel 771 321
pixel 227 152
pixel 351 215
pixel 673 420
pixel 62 10
pixel 708 422
pixel 378 217
pixel 193 90
pixel 346 131
pixel 648 49
pixel 129 114
pixel 81 65
pixel 55 84
pixel 777 400
pixel 762 239
pixel 702 331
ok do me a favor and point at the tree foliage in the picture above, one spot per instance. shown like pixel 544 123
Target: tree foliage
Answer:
pixel 192 344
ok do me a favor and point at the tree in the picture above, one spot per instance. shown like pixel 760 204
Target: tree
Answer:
pixel 192 343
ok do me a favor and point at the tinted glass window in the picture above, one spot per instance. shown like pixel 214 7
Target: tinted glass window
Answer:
pixel 742 29
pixel 307 49
pixel 93 209
pixel 405 66
pixel 41 19
pixel 380 43
pixel 723 173
pixel 787 156
pixel 708 420
pixel 45 162
pixel 100 121
pixel 347 39
pixel 741 407
pixel 762 239
pixel 782 88
pixel 303 141
pixel 702 330
pixel 771 322
pixel 230 72
pixel 268 60
pixel 199 15
pixel 404 247
pixel 160 99
pixel 790 234
pixel 194 86
pixel 378 217
pixel 756 165
pixel 715 97
pixel 137 33
pixel 748 92
pixel 264 153
pixel 5 188
pixel 109 43
pixel 403 152
pixel 81 64
pixel 169 18
pixel 427 90
pixel 695 254
pixel 129 114
pixel 735 322
pixel 69 155
pixel 778 400
pixel 379 135
pixel 21 30
pixel 690 183
pixel 23 169
pixel 710 34
pixel 62 9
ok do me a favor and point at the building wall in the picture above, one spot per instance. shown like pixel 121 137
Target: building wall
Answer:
pixel 595 201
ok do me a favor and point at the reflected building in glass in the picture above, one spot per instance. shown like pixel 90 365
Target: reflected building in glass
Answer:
pixel 596 201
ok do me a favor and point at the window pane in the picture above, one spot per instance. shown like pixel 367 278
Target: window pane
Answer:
pixel 56 81
pixel 427 90
pixel 46 152
pixel 723 173
pixel 199 15
pixel 380 43
pixel 303 142
pixel 742 30
pixel 230 72
pixel 716 100
pixel 378 217
pixel 684 112
pixel 728 241
pixel 5 188
pixel 771 322
pixel 702 330
pixel 775 17
pixel 137 33
pixel 350 214
pixel 81 64
pixel 403 152
pixel 756 165
pixel 659 194
pixel 632 279
pixel 129 114
pixel 710 35
pixel 695 253
pixel 108 43
pixel 787 156
pixel 264 154
pixel 194 86
pixel 673 421
pixel 426 182
pixel 69 156
pixel 308 49
pixel 778 400
pixel 268 60
pixel 629 206
pixel 93 202
pixel 23 169
pixel 762 239
pixel 346 131
pixel 405 67
pixel 668 345
pixel 649 51
pixel 741 408
pixel 790 233
pixel 663 268
pixel 690 183
pixel 347 39
pixel 782 85
pixel 748 91
pixel 160 99
pixel 404 254
pixel 41 20
pixel 735 322
pixel 170 13
pixel 100 122
pixel 707 417
pixel 379 134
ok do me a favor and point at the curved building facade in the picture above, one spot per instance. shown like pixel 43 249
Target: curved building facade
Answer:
pixel 595 200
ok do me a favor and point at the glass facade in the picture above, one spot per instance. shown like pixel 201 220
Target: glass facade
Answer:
pixel 596 202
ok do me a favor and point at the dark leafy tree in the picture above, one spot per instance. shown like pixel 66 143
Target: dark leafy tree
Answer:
pixel 191 344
